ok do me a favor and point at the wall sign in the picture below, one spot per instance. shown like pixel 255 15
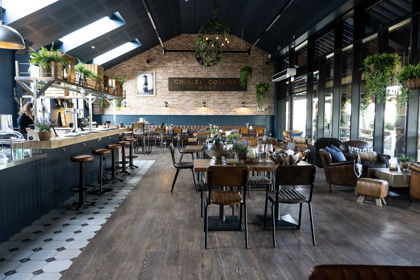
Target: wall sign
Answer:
pixel 205 84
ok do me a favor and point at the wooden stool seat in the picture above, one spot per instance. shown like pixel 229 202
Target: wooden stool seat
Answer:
pixel 130 139
pixel 101 152
pixel 114 146
pixel 375 188
pixel 82 158
pixel 124 143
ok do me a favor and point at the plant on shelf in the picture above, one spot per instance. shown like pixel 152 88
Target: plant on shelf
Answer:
pixel 121 80
pixel 244 74
pixel 44 126
pixel 409 79
pixel 85 73
pixel 261 90
pixel 404 162
pixel 44 58
pixel 212 38
pixel 379 69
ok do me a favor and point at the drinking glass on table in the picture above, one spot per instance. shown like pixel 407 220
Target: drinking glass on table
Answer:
pixel 260 151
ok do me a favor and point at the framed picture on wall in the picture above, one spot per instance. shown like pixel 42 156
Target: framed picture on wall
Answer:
pixel 146 84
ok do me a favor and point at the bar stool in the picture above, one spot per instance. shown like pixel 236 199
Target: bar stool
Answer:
pixel 113 168
pixel 123 162
pixel 81 159
pixel 131 153
pixel 101 178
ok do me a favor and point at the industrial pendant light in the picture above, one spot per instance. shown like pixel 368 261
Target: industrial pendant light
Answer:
pixel 9 37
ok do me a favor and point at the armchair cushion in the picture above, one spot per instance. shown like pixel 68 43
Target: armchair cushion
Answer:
pixel 367 156
pixel 337 156
pixel 299 140
pixel 293 134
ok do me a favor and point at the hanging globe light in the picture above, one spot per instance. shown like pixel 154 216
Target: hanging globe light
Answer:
pixel 213 38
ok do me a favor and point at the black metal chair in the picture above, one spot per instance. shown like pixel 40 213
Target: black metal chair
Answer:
pixel 291 175
pixel 226 187
pixel 179 166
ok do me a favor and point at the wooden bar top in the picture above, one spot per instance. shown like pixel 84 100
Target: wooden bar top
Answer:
pixel 202 165
pixel 63 141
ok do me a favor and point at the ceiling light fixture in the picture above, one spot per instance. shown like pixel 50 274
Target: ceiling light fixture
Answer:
pixel 9 37
pixel 93 47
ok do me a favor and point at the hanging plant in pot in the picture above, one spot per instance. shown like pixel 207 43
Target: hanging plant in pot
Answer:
pixel 379 69
pixel 261 90
pixel 212 38
pixel 409 79
pixel 244 74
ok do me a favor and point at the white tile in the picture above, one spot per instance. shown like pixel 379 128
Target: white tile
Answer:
pixel 67 254
pixel 18 255
pixel 6 266
pixel 92 228
pixel 20 276
pixel 6 246
pixel 33 244
pixel 63 235
pixel 43 254
pixel 85 235
pixel 76 244
pixel 54 244
pixel 48 276
pixel 70 228
pixel 57 266
pixel 31 266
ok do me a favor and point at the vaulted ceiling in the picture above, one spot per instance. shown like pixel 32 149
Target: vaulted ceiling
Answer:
pixel 246 19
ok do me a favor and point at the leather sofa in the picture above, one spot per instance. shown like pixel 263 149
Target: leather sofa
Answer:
pixel 364 272
pixel 415 181
pixel 339 173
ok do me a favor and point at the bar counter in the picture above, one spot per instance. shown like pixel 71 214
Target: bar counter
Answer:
pixel 30 188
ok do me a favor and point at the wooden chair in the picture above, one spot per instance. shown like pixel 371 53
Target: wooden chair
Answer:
pixel 244 131
pixel 259 131
pixel 253 142
pixel 291 175
pixel 179 166
pixel 220 177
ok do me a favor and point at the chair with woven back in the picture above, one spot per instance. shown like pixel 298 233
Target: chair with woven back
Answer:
pixel 219 178
pixel 291 175
pixel 180 166
pixel 202 137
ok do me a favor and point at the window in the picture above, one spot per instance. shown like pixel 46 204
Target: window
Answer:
pixel 395 119
pixel 328 98
pixel 91 31
pixel 116 52
pixel 367 104
pixel 299 104
pixel 16 9
pixel 315 108
pixel 345 107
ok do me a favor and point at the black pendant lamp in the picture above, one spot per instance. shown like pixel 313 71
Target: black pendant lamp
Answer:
pixel 9 37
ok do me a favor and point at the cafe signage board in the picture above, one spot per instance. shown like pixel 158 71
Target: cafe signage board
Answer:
pixel 205 84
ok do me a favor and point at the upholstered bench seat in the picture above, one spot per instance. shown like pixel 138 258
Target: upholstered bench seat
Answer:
pixel 375 188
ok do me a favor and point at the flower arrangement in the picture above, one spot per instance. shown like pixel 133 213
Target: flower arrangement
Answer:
pixel 213 129
pixel 44 124
pixel 232 138
pixel 241 148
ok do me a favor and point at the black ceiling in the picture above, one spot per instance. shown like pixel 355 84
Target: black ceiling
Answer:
pixel 246 19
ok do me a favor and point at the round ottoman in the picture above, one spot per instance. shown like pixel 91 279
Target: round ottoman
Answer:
pixel 375 188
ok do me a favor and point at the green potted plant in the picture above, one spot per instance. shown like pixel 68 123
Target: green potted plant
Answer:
pixel 44 126
pixel 261 90
pixel 409 79
pixel 404 162
pixel 241 150
pixel 86 77
pixel 46 60
pixel 379 69
pixel 244 74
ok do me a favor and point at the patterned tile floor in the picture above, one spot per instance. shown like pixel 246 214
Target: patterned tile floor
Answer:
pixel 45 249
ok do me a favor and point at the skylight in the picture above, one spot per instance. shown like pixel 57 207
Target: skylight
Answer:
pixel 91 31
pixel 116 52
pixel 16 9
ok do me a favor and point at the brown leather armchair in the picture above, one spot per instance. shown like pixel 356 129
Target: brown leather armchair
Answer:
pixel 339 173
pixel 321 143
pixel 414 181
pixel 382 160
pixel 365 272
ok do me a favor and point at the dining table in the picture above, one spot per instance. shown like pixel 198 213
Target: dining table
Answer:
pixel 201 167
pixel 191 149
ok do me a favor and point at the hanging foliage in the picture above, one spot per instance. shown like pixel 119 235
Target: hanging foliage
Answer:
pixel 379 69
pixel 212 39
pixel 245 74
pixel 409 79
pixel 261 90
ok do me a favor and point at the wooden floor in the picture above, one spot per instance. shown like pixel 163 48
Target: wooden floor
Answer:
pixel 158 235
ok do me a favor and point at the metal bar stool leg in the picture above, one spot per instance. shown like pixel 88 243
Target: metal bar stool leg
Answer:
pixel 131 165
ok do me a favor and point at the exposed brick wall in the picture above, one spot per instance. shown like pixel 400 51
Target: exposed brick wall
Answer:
pixel 185 65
